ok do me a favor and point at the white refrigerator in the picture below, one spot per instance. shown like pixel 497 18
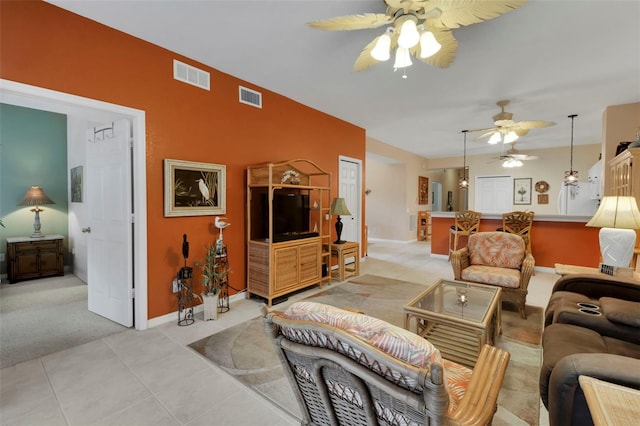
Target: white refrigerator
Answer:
pixel 577 200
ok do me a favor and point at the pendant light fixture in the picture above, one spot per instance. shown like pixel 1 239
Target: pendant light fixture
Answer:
pixel 571 176
pixel 464 179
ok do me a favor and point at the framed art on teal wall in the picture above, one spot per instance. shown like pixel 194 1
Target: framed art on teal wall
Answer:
pixel 76 184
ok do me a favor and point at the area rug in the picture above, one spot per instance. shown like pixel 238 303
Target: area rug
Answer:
pixel 245 352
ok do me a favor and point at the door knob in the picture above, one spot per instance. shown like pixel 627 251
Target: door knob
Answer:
pixel 86 230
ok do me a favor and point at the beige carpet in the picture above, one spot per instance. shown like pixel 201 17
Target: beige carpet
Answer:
pixel 245 352
pixel 40 317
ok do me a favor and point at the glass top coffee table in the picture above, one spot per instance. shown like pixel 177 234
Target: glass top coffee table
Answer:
pixel 457 317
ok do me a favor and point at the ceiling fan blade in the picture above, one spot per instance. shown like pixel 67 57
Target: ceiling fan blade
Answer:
pixel 522 157
pixel 485 135
pixel 352 22
pixel 455 13
pixel 504 123
pixel 534 124
pixel 447 52
pixel 521 132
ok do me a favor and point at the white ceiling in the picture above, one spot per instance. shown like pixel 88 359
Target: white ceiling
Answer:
pixel 551 58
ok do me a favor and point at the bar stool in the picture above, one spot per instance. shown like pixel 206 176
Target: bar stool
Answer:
pixel 466 223
pixel 519 223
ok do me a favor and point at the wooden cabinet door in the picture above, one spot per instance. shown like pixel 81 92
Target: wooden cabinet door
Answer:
pixel 48 262
pixel 27 264
pixel 285 267
pixel 310 268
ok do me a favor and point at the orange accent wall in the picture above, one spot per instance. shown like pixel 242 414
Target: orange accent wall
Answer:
pixel 43 45
pixel 551 242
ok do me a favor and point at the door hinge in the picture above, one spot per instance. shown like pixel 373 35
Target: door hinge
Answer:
pixel 130 143
pixel 132 293
pixel 133 218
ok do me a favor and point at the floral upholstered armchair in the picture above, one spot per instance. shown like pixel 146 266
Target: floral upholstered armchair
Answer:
pixel 348 368
pixel 496 258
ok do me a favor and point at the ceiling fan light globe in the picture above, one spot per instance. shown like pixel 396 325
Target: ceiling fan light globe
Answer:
pixel 511 163
pixel 381 51
pixel 495 138
pixel 511 137
pixel 403 58
pixel 409 35
pixel 429 46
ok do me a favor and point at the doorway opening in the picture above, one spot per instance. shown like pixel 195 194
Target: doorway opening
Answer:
pixel 94 111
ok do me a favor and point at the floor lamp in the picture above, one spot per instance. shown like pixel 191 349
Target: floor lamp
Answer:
pixel 617 217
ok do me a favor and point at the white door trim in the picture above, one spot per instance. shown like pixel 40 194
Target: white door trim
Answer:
pixel 45 99
pixel 342 158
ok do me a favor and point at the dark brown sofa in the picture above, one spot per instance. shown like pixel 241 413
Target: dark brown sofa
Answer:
pixel 592 327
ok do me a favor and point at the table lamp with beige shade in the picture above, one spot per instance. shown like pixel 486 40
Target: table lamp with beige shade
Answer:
pixel 339 208
pixel 35 196
pixel 617 217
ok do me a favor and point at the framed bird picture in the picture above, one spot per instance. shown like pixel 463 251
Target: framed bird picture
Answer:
pixel 194 189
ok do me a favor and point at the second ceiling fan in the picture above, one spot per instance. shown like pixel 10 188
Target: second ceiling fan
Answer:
pixel 506 130
pixel 514 158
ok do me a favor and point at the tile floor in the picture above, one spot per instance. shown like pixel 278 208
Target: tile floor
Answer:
pixel 151 377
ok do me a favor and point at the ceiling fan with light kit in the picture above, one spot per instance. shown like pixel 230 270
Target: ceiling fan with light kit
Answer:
pixel 418 28
pixel 514 158
pixel 506 130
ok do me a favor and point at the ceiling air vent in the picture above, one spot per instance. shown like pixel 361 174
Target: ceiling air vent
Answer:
pixel 190 75
pixel 250 97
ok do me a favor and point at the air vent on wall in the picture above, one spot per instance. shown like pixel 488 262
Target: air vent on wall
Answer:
pixel 250 97
pixel 190 75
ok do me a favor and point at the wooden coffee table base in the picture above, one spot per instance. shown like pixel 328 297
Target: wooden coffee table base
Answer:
pixel 455 344
pixel 458 339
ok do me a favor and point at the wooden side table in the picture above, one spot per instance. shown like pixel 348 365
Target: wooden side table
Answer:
pixel 562 269
pixel 609 403
pixel 343 252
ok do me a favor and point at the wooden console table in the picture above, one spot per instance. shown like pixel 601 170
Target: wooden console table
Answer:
pixel 343 252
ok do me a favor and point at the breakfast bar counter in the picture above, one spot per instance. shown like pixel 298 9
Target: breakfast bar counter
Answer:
pixel 554 238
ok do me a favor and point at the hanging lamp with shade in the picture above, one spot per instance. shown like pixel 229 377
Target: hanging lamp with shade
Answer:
pixel 571 176
pixel 464 179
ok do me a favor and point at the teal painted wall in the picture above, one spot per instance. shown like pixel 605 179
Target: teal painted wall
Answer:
pixel 33 151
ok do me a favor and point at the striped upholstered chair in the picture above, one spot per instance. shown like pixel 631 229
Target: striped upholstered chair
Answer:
pixel 347 368
pixel 496 258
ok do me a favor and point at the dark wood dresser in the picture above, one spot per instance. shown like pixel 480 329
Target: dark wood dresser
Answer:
pixel 34 257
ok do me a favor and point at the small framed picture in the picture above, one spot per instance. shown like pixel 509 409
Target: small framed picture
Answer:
pixel 522 191
pixel 76 184
pixel 194 189
pixel 543 198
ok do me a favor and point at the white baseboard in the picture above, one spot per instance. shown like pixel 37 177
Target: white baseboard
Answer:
pixel 383 240
pixel 173 316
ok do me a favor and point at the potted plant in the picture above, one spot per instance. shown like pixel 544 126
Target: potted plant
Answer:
pixel 214 275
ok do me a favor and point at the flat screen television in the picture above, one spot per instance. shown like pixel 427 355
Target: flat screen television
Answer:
pixel 290 217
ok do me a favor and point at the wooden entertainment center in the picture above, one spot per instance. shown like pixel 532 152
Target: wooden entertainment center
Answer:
pixel 288 228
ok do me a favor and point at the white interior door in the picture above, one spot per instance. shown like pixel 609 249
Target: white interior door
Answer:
pixel 493 194
pixel 349 183
pixel 109 227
